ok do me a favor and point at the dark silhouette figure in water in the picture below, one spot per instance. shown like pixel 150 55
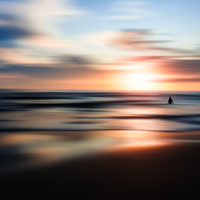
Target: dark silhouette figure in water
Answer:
pixel 170 101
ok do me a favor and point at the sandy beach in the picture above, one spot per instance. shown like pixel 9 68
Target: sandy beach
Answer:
pixel 159 172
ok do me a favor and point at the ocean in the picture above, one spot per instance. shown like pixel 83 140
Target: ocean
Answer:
pixel 43 127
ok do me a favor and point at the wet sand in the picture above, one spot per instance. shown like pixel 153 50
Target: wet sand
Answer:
pixel 156 172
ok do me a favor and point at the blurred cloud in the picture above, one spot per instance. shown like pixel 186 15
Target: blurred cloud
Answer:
pixel 180 66
pixel 177 80
pixel 101 38
pixel 129 10
pixel 9 32
pixel 17 56
pixel 29 24
pixel 38 13
pixel 136 40
pixel 12 30
pixel 47 41
pixel 66 67
pixel 153 59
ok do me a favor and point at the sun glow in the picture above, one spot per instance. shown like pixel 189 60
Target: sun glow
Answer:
pixel 139 81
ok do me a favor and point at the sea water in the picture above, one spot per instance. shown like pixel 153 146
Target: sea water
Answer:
pixel 43 127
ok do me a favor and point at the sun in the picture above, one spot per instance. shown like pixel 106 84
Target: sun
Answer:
pixel 139 81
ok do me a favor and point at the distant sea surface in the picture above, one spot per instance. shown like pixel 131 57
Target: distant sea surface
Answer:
pixel 41 127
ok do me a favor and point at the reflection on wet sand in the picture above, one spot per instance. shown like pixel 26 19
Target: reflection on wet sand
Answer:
pixel 41 148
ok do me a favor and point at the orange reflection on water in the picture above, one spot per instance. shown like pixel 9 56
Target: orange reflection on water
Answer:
pixel 142 139
pixel 142 111
pixel 23 139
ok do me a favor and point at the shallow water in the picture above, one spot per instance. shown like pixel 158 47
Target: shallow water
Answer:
pixel 41 127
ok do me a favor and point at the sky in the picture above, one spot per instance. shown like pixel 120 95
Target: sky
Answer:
pixel 100 45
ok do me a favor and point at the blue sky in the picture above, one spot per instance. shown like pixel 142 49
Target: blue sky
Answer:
pixel 177 17
pixel 175 21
